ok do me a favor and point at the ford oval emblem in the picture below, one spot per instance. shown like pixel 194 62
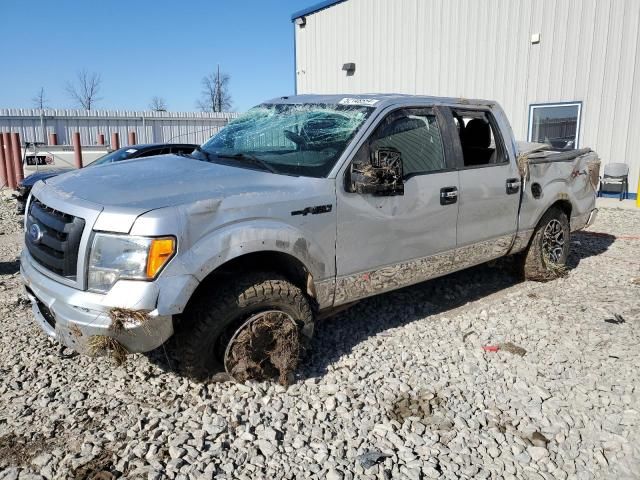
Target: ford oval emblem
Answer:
pixel 35 233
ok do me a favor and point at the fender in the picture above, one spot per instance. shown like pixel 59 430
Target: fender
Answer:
pixel 257 235
pixel 234 240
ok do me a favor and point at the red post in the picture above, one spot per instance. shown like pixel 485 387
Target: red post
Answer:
pixel 17 157
pixel 3 166
pixel 53 139
pixel 132 138
pixel 101 139
pixel 77 150
pixel 115 141
pixel 8 160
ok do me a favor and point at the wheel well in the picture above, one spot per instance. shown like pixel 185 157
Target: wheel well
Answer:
pixel 564 205
pixel 269 261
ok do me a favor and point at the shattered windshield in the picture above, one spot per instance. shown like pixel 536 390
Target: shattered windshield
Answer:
pixel 295 139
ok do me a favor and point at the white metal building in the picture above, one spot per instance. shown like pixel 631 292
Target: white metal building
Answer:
pixel 565 71
pixel 35 125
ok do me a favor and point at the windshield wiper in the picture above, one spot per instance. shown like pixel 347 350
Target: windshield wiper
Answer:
pixel 248 158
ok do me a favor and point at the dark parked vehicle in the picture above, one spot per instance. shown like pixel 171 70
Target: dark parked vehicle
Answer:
pixel 124 153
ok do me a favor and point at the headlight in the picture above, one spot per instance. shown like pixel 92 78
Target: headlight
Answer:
pixel 115 257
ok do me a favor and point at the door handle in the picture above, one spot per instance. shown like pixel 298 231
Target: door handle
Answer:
pixel 448 195
pixel 513 185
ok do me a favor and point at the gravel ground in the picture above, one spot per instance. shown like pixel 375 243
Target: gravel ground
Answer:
pixel 399 386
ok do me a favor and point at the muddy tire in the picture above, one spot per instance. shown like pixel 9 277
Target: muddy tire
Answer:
pixel 546 256
pixel 256 327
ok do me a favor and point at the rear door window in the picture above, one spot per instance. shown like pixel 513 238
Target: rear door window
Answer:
pixel 479 138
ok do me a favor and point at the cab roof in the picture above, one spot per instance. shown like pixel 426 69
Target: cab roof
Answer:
pixel 381 100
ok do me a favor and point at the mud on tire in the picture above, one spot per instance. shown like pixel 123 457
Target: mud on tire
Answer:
pixel 268 319
pixel 546 256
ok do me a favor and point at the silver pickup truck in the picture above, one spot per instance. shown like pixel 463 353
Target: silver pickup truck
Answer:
pixel 302 205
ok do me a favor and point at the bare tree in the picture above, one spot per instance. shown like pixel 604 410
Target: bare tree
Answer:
pixel 158 104
pixel 215 93
pixel 40 100
pixel 86 89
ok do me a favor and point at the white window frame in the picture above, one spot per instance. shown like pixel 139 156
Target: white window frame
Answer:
pixel 533 106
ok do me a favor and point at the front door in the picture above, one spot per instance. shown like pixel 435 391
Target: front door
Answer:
pixel 385 242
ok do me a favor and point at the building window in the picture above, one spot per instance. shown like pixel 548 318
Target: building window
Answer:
pixel 557 124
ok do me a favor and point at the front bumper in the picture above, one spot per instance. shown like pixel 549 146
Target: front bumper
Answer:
pixel 73 316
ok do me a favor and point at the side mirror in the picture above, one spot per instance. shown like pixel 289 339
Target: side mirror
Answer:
pixel 381 176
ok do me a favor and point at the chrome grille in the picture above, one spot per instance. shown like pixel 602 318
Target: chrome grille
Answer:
pixel 53 238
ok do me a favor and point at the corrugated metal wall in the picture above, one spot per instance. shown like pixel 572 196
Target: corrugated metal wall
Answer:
pixel 589 52
pixel 150 127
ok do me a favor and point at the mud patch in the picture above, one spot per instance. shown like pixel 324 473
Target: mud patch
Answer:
pixel 427 407
pixel 121 317
pixel 100 468
pixel 101 344
pixel 513 348
pixel 539 440
pixel 16 450
pixel 556 270
pixel 75 331
pixel 264 349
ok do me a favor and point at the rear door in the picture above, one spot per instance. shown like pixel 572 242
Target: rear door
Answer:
pixel 489 196
pixel 383 241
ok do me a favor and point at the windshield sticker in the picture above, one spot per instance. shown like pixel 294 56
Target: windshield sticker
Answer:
pixel 369 102
pixel 132 150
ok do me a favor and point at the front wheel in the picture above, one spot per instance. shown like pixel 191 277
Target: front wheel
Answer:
pixel 255 327
pixel 546 256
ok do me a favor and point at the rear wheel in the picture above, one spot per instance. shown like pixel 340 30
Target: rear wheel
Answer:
pixel 546 256
pixel 255 327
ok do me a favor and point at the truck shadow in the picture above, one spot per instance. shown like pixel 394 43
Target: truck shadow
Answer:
pixel 338 336
pixel 587 244
pixel 9 268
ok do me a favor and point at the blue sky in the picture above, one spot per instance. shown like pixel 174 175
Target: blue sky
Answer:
pixel 143 48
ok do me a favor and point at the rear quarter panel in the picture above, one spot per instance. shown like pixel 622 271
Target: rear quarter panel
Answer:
pixel 560 181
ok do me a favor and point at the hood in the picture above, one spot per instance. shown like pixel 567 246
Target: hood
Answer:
pixel 30 180
pixel 164 181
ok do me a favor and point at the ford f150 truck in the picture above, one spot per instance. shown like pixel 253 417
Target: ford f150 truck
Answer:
pixel 302 205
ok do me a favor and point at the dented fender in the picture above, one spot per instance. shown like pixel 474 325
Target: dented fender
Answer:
pixel 236 240
pixel 195 261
